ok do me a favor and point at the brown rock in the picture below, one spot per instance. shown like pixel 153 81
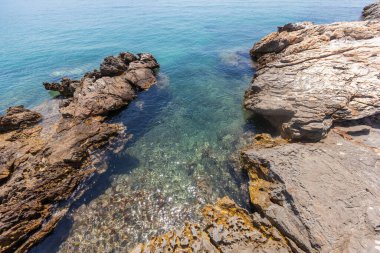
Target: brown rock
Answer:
pixel 66 87
pixel 310 76
pixel 42 166
pixel 226 228
pixel 18 117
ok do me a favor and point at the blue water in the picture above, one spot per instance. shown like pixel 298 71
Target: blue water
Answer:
pixel 186 131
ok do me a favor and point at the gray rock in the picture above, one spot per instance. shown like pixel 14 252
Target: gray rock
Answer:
pixel 310 76
pixel 371 11
pixel 331 190
pixel 112 66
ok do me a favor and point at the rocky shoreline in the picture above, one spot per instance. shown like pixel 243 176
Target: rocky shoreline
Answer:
pixel 313 188
pixel 45 158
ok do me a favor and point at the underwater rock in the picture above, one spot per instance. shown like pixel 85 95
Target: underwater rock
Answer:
pixel 42 165
pixel 225 228
pixel 18 117
pixel 311 76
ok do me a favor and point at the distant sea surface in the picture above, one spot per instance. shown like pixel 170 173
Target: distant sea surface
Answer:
pixel 186 131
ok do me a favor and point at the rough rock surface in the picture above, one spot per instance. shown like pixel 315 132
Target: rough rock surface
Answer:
pixel 325 196
pixel 225 228
pixel 18 117
pixel 316 81
pixel 310 76
pixel 371 11
pixel 42 165
pixel 109 89
pixel 66 87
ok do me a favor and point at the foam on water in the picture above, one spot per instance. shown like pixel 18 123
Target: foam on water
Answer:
pixel 186 131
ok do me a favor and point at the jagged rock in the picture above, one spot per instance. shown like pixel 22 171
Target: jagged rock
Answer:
pixel 310 76
pixel 371 11
pixel 112 66
pixel 143 78
pixel 128 57
pixel 145 60
pixel 111 89
pixel 325 196
pixel 18 117
pixel 99 97
pixel 66 87
pixel 226 228
pixel 42 166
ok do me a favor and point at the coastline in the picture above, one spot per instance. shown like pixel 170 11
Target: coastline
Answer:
pixel 315 187
pixel 44 161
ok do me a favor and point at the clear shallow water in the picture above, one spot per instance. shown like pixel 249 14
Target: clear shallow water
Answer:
pixel 186 131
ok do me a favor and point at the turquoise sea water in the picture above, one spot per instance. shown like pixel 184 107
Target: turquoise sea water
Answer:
pixel 186 131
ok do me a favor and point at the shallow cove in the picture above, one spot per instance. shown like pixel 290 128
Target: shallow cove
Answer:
pixel 185 130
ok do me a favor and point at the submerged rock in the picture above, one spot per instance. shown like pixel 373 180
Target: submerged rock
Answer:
pixel 226 228
pixel 310 76
pixel 42 165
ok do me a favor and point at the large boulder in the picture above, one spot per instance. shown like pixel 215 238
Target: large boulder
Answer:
pixel 310 76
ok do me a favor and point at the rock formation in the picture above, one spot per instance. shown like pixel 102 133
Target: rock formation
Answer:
pixel 371 11
pixel 311 76
pixel 319 85
pixel 42 164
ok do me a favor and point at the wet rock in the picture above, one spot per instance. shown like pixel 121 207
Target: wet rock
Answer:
pixel 18 117
pixel 66 87
pixel 371 11
pixel 310 76
pixel 226 228
pixel 41 166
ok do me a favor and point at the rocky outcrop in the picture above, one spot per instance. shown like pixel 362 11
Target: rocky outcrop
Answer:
pixel 109 89
pixel 225 228
pixel 311 76
pixel 42 165
pixel 320 85
pixel 325 196
pixel 371 11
